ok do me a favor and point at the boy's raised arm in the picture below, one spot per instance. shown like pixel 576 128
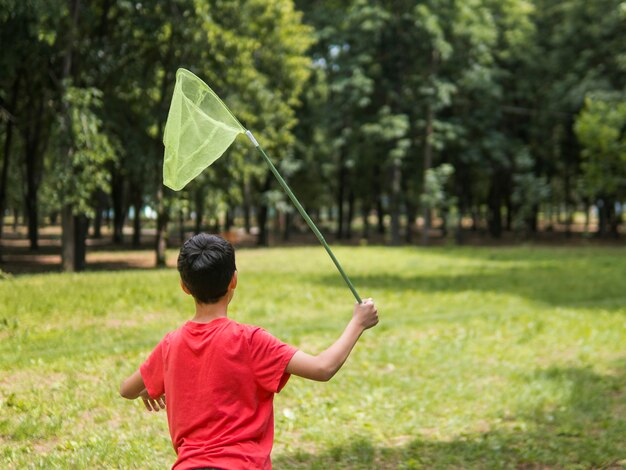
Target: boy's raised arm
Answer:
pixel 326 364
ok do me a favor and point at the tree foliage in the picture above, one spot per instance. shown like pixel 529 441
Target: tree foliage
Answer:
pixel 497 109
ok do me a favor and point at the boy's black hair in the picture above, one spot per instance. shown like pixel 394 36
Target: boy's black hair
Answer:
pixel 206 264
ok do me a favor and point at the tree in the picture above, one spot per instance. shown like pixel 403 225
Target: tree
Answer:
pixel 601 130
pixel 78 164
pixel 29 36
pixel 581 44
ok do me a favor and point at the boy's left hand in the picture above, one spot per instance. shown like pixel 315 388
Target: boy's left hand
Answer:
pixel 151 403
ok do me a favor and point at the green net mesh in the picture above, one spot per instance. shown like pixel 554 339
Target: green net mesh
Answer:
pixel 198 131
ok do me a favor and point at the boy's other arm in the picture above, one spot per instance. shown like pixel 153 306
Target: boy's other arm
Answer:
pixel 133 387
pixel 326 364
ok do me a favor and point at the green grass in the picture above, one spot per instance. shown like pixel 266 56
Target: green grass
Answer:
pixel 484 358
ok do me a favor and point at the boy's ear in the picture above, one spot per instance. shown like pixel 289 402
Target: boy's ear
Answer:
pixel 184 288
pixel 233 281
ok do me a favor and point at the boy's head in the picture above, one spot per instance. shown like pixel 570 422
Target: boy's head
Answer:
pixel 206 264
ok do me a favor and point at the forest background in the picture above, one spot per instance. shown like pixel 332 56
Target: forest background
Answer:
pixel 396 122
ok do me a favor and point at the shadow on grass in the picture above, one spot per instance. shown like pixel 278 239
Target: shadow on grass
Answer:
pixel 562 281
pixel 585 430
pixel 107 258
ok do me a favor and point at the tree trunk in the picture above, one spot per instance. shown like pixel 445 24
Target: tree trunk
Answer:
pixel 137 208
pixel 445 212
pixel 119 210
pixel 331 215
pixel 199 209
pixel 494 201
pixel 428 160
pixel 608 221
pixel 107 216
pixel 246 206
pixel 71 253
pixel 181 225
pixel 350 214
pixel 262 238
pixel 616 218
pixel 428 145
pixel 341 191
pixel 99 209
pixel 32 207
pixel 161 229
pixel 287 228
pixel 532 219
pixel 247 217
pixel 163 212
pixel 229 218
pixel 276 226
pixel 33 164
pixel 509 212
pixel 601 217
pixel 464 205
pixel 68 232
pixel 136 200
pixel 315 216
pixel 475 217
pixel 569 215
pixel 411 215
pixel 215 228
pixel 380 216
pixel 366 223
pixel 97 223
pixel 5 172
pixel 396 183
pixel 4 178
pixel 458 234
pixel 81 226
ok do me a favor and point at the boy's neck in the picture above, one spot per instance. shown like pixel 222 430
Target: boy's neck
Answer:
pixel 206 313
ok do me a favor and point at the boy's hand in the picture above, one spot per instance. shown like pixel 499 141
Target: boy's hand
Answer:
pixel 365 314
pixel 151 403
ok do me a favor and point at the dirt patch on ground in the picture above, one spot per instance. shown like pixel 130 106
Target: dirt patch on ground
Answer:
pixel 26 379
pixel 45 446
pixel 102 254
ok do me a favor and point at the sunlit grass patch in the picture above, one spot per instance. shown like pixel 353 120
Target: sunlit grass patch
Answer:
pixel 483 359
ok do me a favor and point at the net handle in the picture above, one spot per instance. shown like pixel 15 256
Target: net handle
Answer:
pixel 304 215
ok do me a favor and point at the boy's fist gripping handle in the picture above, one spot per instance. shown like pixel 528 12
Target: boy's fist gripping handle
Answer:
pixel 365 314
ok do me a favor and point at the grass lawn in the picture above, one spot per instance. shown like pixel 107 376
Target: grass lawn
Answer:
pixel 484 358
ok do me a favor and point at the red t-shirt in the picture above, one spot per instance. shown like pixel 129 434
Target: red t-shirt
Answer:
pixel 219 379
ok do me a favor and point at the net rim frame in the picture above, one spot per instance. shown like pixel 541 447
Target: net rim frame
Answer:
pixel 193 76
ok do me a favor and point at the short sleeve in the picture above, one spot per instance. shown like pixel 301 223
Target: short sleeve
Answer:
pixel 152 372
pixel 268 360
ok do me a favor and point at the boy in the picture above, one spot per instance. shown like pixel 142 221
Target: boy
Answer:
pixel 220 376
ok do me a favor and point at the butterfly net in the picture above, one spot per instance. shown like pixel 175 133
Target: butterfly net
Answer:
pixel 198 131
